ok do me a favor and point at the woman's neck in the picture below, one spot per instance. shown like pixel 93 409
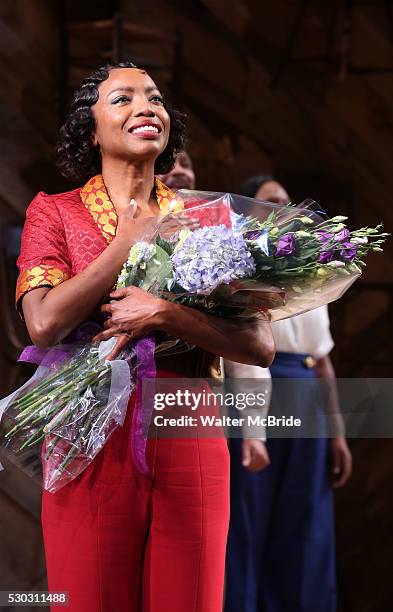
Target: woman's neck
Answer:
pixel 126 182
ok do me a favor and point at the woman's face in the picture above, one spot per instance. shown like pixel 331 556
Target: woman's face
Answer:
pixel 131 121
pixel 182 175
pixel 271 191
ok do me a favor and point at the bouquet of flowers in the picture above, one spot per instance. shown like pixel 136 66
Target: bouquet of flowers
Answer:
pixel 245 258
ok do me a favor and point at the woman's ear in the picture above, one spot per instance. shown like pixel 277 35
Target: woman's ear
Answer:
pixel 94 139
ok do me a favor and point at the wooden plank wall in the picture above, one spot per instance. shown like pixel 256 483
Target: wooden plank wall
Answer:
pixel 29 120
pixel 327 139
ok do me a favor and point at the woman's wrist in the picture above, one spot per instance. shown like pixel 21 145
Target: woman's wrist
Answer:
pixel 122 240
pixel 174 319
pixel 163 315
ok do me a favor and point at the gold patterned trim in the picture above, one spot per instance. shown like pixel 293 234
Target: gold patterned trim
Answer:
pixel 166 198
pixel 39 276
pixel 95 197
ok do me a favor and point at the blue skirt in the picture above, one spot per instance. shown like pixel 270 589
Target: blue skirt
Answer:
pixel 281 548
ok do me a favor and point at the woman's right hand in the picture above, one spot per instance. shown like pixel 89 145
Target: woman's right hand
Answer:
pixel 133 229
pixel 174 222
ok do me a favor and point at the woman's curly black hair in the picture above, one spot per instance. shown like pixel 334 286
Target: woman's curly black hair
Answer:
pixel 78 158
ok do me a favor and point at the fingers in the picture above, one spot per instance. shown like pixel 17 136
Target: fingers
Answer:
pixel 116 330
pixel 246 454
pixel 121 343
pixel 341 462
pixel 109 333
pixel 133 207
pixel 338 478
pixel 342 470
pixel 126 292
pixel 175 221
pixel 347 470
pixel 188 222
pixel 107 308
pixel 336 468
pixel 118 294
pixel 183 215
pixel 336 459
pixel 254 455
pixel 259 461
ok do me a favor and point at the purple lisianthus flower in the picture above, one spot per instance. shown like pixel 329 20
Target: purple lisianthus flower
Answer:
pixel 349 251
pixel 326 256
pixel 286 245
pixel 342 235
pixel 324 236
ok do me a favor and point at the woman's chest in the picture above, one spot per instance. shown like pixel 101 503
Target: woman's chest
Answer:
pixel 83 236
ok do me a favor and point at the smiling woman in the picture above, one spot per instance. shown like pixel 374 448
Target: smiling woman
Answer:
pixel 118 130
pixel 78 157
pixel 116 539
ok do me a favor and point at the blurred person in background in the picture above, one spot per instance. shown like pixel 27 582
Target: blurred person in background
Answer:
pixel 182 175
pixel 281 543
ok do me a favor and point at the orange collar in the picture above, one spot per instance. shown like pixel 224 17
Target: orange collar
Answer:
pixel 95 197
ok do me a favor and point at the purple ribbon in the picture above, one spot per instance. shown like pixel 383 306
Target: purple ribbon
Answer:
pixel 48 357
pixel 52 355
pixel 146 368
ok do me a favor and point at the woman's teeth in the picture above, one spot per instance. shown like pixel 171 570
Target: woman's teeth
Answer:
pixel 145 128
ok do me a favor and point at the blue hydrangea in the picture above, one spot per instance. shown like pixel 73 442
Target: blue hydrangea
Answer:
pixel 141 253
pixel 211 256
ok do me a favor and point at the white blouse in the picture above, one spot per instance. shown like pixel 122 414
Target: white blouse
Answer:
pixel 305 333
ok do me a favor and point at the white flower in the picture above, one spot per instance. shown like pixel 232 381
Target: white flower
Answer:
pixel 358 240
pixel 336 264
pixel 338 219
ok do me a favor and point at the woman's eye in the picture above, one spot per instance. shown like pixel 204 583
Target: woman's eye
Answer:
pixel 158 99
pixel 121 99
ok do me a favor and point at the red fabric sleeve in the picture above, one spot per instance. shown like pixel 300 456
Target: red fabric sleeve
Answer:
pixel 43 259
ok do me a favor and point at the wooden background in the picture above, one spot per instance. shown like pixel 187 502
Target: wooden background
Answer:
pixel 301 89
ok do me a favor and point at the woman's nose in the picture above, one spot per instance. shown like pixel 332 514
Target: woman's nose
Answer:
pixel 144 110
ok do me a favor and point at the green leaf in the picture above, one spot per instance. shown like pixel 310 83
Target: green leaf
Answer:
pixel 168 247
pixel 271 217
pixel 158 269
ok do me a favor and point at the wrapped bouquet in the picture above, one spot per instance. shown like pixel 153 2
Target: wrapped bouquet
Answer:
pixel 236 258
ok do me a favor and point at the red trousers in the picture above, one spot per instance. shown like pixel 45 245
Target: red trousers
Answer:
pixel 119 541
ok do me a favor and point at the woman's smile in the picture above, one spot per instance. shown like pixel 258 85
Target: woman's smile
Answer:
pixel 131 119
pixel 146 129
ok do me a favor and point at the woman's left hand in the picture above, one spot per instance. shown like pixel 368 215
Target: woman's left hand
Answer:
pixel 133 313
pixel 341 459
pixel 255 456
